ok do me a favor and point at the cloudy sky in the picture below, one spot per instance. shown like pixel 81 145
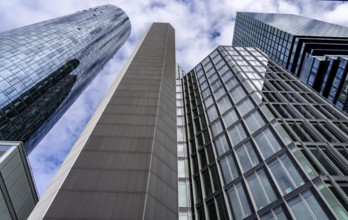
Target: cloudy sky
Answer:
pixel 201 25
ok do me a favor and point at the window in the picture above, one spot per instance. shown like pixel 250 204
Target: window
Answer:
pixel 180 134
pixel 212 210
pixel 215 177
pixel 216 128
pixel 286 174
pixel 267 143
pixel 207 183
pixel 219 92
pixel 247 156
pixel 327 160
pixel 332 200
pixel 261 189
pixel 206 93
pixel 237 134
pixel 238 201
pixel 226 76
pixel 221 145
pixel 276 213
pixel 282 133
pixel 221 207
pixel 228 168
pixel 231 84
pixel 237 94
pixel 254 121
pixel 208 101
pixel 304 162
pixel 328 132
pixel 307 206
pixel 203 157
pixel 195 163
pixel 230 117
pixel 213 78
pixel 245 107
pixel 204 85
pixel 343 150
pixel 216 85
pixel 212 113
pixel 224 104
pixel 198 189
pixel 181 150
pixel 180 120
pixel 182 194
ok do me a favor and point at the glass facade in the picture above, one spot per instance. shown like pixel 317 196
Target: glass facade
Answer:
pixel 313 50
pixel 18 195
pixel 45 66
pixel 184 190
pixel 261 144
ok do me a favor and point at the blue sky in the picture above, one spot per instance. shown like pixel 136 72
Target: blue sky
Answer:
pixel 200 27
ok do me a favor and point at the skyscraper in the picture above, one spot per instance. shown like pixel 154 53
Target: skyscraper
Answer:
pixel 262 144
pixel 315 51
pixel 253 142
pixel 124 165
pixel 44 67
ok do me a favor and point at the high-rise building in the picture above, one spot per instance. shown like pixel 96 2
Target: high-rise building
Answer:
pixel 124 165
pixel 315 51
pixel 17 189
pixel 44 67
pixel 261 144
pixel 251 142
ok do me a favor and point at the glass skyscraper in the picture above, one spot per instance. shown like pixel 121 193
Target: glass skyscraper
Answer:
pixel 261 144
pixel 315 51
pixel 44 67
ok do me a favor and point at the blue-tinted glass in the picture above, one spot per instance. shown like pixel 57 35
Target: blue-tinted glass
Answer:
pixel 54 62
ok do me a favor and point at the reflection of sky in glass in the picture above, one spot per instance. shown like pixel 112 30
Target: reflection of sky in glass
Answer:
pixel 33 53
pixel 302 26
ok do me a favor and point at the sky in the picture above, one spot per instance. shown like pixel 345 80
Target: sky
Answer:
pixel 200 27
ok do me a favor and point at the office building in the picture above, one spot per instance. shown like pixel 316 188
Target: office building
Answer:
pixel 261 144
pixel 17 189
pixel 124 165
pixel 44 67
pixel 315 51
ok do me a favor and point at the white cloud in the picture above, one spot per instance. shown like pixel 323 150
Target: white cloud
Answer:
pixel 194 22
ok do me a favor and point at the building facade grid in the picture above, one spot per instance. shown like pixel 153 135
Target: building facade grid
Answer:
pixel 313 50
pixel 258 140
pixel 44 67
pixel 184 188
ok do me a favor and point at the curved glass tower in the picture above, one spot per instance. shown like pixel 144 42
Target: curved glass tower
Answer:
pixel 44 67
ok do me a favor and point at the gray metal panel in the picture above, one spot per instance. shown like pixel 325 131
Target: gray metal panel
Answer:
pixel 127 168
